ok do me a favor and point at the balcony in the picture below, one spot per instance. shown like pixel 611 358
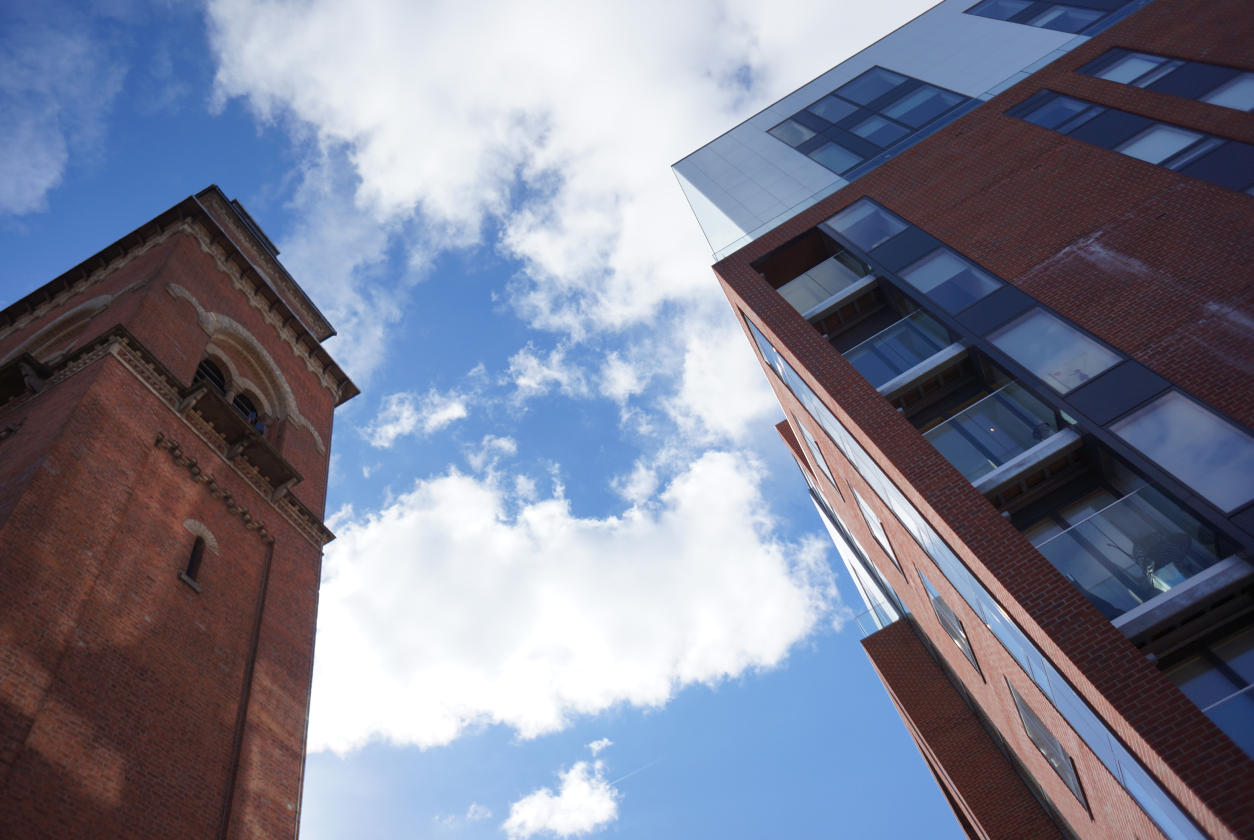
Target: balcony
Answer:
pixel 1128 557
pixel 877 618
pixel 1000 437
pixel 901 351
pixel 829 285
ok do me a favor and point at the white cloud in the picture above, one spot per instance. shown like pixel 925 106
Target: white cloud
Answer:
pixel 556 118
pixel 640 485
pixel 459 605
pixel 621 379
pixel 57 82
pixel 597 746
pixel 489 451
pixel 533 376
pixel 477 812
pixel 405 413
pixel 722 393
pixel 584 803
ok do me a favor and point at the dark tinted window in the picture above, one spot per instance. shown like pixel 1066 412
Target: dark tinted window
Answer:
pixel 999 9
pixel 871 85
pixel 832 108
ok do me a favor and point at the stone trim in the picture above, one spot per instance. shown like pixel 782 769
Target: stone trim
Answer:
pixel 285 332
pixel 236 337
pixel 119 344
pixel 201 477
pixel 94 278
pixel 201 530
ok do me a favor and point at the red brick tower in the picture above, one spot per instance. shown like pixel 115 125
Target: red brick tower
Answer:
pixel 165 417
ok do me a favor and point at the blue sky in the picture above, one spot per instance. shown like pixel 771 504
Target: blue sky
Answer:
pixel 564 515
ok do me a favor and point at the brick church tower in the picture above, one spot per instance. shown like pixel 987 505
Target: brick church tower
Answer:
pixel 165 421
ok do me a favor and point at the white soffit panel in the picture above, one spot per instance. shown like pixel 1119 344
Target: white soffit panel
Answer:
pixel 742 181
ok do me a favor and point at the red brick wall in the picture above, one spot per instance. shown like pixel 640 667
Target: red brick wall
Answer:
pixel 120 686
pixel 1151 261
pixel 980 779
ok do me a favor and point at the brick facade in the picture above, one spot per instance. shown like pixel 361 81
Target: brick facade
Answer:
pixel 1151 261
pixel 989 798
pixel 131 704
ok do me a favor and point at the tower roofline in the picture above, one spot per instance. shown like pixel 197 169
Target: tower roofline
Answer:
pixel 224 222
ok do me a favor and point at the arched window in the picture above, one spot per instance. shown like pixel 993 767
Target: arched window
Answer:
pixel 245 407
pixel 209 372
pixel 193 562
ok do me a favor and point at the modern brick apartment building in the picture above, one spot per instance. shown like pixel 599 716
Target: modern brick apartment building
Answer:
pixel 997 267
pixel 165 418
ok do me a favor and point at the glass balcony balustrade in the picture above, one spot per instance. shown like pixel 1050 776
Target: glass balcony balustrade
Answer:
pixel 1132 551
pixel 877 618
pixel 824 282
pixel 995 430
pixel 893 351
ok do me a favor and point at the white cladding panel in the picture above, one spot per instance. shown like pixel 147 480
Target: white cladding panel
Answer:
pixel 751 182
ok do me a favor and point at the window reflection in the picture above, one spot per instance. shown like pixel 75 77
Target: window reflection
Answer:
pixel 950 280
pixel 866 224
pixel 898 348
pixel 999 9
pixel 922 105
pixel 1067 18
pixel 1060 355
pixel 871 85
pixel 1204 451
pixel 1220 680
pixel 792 132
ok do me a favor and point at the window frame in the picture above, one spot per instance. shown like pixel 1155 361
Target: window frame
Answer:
pixel 1025 711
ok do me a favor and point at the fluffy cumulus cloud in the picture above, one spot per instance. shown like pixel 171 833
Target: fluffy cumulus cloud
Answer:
pixel 57 81
pixel 463 603
pixel 584 803
pixel 405 413
pixel 558 119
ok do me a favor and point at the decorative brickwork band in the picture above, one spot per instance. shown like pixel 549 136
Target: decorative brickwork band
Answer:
pixel 218 492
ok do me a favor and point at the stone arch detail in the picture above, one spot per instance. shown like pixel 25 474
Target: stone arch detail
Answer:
pixel 266 399
pixel 231 335
pixel 61 331
pixel 202 531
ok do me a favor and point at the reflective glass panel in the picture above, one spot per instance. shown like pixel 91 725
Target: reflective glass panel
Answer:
pixel 871 85
pixel 866 224
pixel 1131 67
pixel 922 105
pixel 995 430
pixel 1204 451
pixel 999 9
pixel 1237 93
pixel 836 158
pixel 1048 745
pixel 791 132
pixel 1158 142
pixel 1219 681
pixel 1062 356
pixel 1066 18
pixel 950 280
pixel 876 528
pixel 825 280
pixel 880 131
pixel 898 348
pixel 832 108
pixel 1056 112
pixel 1134 550
pixel 813 446
pixel 1143 787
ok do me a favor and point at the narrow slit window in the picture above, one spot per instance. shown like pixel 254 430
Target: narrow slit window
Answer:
pixel 192 571
pixel 876 527
pixel 950 622
pixel 1049 746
